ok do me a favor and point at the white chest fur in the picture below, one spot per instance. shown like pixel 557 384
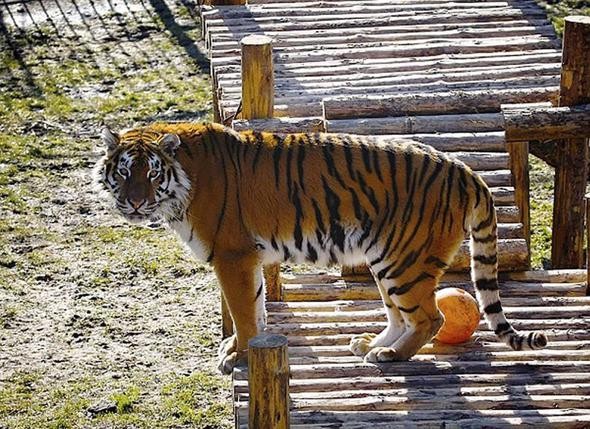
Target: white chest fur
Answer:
pixel 188 235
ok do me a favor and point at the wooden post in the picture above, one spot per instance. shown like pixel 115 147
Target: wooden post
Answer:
pixel 519 165
pixel 258 103
pixel 268 380
pixel 588 245
pixel 572 171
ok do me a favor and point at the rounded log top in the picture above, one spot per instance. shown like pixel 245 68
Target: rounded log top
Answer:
pixel 267 341
pixel 256 40
pixel 578 19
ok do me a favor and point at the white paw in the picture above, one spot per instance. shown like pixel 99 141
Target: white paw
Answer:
pixel 382 354
pixel 361 344
pixel 232 360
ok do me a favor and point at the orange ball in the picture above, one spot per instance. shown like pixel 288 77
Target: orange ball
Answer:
pixel 461 315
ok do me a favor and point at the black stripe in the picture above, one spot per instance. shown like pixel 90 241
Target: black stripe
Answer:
pixel 487 239
pixel 318 216
pixel 503 328
pixel 300 161
pixel 349 162
pixel 188 151
pixel 486 284
pixel 409 260
pixel 447 209
pixel 312 254
pixel 286 253
pixel 333 203
pixel 369 192
pixel 257 153
pixel 273 243
pixel 276 157
pixel 289 177
pixel 425 165
pixel 486 260
pixel 376 165
pixel 406 287
pixel 496 307
pixel 530 341
pixel 332 170
pixel 388 305
pixel 366 159
pixel 487 222
pixel 394 190
pixel 383 272
pixel 297 233
pixel 359 213
pixel 259 291
pixel 408 310
pixel 436 262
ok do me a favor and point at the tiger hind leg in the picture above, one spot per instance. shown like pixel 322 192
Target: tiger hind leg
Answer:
pixel 413 294
pixel 361 344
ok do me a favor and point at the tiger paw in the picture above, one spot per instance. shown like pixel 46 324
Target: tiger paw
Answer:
pixel 360 345
pixel 227 347
pixel 232 360
pixel 383 354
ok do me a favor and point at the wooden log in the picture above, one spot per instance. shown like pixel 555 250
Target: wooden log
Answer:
pixel 268 376
pixel 468 101
pixel 331 9
pixel 257 77
pixel 368 290
pixel 519 165
pixel 572 172
pixel 542 123
pixel 341 69
pixel 258 103
pixel 281 125
pixel 476 122
pixel 371 20
pixel 588 245
pixel 427 368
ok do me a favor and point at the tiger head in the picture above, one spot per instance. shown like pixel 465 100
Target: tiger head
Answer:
pixel 141 176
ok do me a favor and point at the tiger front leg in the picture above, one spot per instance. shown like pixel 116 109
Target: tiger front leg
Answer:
pixel 414 296
pixel 362 344
pixel 242 285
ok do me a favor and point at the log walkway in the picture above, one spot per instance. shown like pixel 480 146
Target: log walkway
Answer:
pixel 439 72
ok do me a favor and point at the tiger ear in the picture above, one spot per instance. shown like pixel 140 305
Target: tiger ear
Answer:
pixel 109 138
pixel 170 143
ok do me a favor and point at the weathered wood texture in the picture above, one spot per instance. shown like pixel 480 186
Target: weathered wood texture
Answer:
pixel 480 383
pixel 268 376
pixel 544 123
pixel 572 171
pixel 258 103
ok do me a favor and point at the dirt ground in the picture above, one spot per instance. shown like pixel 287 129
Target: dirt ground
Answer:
pixel 101 324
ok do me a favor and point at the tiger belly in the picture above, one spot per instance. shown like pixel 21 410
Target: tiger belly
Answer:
pixel 313 249
pixel 188 235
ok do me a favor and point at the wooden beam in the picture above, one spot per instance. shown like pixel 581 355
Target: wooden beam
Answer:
pixel 258 103
pixel 544 123
pixel 224 2
pixel 588 244
pixel 268 378
pixel 571 174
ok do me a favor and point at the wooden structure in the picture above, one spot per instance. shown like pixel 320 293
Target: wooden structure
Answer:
pixel 453 75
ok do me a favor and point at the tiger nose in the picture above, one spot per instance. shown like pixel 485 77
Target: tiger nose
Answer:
pixel 136 203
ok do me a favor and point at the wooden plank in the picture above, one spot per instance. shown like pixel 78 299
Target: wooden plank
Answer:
pixel 545 123
pixel 462 381
pixel 367 290
pixel 476 122
pixel 281 125
pixel 344 339
pixel 427 368
pixel 340 69
pixel 253 11
pixel 468 101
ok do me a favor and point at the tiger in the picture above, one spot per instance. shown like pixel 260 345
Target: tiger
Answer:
pixel 242 200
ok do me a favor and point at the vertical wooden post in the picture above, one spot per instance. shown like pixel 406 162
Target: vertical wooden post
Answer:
pixel 587 244
pixel 572 172
pixel 258 103
pixel 268 380
pixel 519 165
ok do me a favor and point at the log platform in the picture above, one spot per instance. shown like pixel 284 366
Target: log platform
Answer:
pixel 482 383
pixel 454 75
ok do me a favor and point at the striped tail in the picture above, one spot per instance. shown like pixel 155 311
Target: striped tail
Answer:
pixel 484 272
